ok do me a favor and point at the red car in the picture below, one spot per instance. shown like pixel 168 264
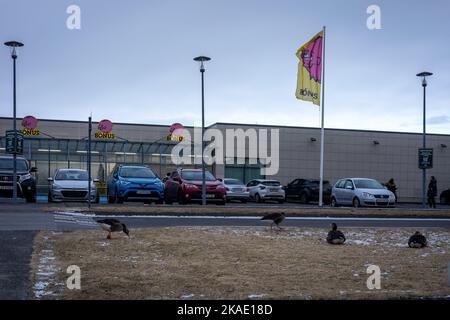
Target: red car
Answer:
pixel 185 186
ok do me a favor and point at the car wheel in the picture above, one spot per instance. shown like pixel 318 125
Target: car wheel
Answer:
pixel 356 203
pixel 304 198
pixel 333 202
pixel 181 199
pixel 258 198
pixel 31 198
pixel 167 200
pixel 111 198
pixel 118 198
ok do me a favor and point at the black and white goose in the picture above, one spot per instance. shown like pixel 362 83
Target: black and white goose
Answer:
pixel 417 240
pixel 276 218
pixel 113 225
pixel 335 236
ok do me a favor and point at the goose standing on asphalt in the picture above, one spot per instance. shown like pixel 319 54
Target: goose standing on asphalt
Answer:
pixel 276 218
pixel 335 236
pixel 417 240
pixel 113 225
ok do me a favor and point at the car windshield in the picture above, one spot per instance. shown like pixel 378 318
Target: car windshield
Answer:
pixel 72 175
pixel 367 184
pixel 197 175
pixel 137 172
pixel 7 164
pixel 271 183
pixel 232 182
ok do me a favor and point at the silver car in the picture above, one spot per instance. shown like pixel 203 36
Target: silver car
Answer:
pixel 361 192
pixel 236 190
pixel 261 190
pixel 71 185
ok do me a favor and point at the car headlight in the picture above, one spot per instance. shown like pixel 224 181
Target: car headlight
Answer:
pixel 368 195
pixel 190 185
pixel 56 187
pixel 159 184
pixel 24 177
pixel 220 187
pixel 125 183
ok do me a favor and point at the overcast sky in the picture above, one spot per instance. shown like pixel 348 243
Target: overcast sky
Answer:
pixel 132 61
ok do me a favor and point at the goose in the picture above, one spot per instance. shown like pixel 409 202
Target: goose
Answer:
pixel 417 240
pixel 113 225
pixel 335 236
pixel 276 218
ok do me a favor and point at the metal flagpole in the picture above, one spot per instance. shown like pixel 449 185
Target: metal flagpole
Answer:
pixel 89 161
pixel 322 131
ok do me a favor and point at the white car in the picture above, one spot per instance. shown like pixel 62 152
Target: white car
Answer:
pixel 236 190
pixel 71 185
pixel 261 190
pixel 361 192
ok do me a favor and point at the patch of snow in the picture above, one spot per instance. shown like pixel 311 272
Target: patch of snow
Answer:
pixel 187 296
pixel 256 296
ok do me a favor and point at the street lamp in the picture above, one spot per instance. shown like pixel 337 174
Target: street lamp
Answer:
pixel 424 76
pixel 13 45
pixel 203 59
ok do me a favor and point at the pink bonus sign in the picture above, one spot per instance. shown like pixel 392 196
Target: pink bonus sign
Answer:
pixel 105 126
pixel 29 122
pixel 176 129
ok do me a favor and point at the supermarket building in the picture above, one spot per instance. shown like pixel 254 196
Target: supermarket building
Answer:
pixel 54 144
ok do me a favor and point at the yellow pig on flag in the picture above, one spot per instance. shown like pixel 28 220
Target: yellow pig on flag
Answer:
pixel 310 70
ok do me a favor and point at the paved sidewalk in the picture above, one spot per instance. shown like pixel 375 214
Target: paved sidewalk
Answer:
pixel 16 248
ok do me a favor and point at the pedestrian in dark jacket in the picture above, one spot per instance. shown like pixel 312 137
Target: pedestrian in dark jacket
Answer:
pixel 432 192
pixel 392 187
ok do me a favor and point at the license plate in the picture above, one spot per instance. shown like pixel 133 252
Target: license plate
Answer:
pixel 210 196
pixel 274 190
pixel 143 192
pixel 237 190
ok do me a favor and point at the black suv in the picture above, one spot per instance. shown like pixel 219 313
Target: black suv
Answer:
pixel 26 182
pixel 445 197
pixel 307 190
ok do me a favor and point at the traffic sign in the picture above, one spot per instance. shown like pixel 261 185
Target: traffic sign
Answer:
pixel 425 158
pixel 12 145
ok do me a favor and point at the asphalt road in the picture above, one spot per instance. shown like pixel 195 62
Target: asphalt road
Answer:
pixel 36 220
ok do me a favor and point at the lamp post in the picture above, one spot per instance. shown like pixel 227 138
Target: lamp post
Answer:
pixel 203 59
pixel 424 76
pixel 13 45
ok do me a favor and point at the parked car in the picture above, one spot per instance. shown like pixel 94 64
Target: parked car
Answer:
pixel 261 190
pixel 361 192
pixel 236 190
pixel 185 186
pixel 445 197
pixel 26 182
pixel 134 183
pixel 71 185
pixel 307 190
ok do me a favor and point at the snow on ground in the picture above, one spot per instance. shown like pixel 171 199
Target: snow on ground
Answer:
pixel 438 239
pixel 46 270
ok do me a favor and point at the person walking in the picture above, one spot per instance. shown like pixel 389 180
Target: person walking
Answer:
pixel 391 186
pixel 432 192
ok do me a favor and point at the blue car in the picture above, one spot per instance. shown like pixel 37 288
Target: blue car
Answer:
pixel 134 183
